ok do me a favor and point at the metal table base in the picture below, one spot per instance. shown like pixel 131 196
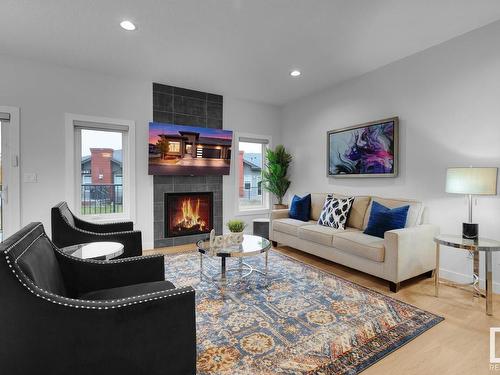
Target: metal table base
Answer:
pixel 249 269
pixel 474 249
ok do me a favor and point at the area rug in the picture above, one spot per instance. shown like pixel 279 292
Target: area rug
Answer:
pixel 297 319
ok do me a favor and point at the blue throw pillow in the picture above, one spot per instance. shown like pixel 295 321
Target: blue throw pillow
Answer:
pixel 300 209
pixel 383 219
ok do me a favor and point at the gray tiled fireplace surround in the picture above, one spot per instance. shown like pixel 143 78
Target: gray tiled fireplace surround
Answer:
pixel 185 107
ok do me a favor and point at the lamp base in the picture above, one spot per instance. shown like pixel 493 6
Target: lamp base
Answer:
pixel 470 231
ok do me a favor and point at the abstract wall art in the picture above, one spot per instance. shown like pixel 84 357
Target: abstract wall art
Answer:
pixel 365 150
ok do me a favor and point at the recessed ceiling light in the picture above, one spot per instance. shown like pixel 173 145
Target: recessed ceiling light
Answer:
pixel 127 25
pixel 295 73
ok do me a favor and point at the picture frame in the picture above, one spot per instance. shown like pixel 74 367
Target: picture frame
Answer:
pixel 365 150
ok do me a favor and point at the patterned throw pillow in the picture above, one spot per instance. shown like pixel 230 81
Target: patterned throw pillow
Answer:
pixel 335 211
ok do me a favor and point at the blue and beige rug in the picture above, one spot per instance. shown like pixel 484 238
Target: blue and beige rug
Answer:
pixel 296 320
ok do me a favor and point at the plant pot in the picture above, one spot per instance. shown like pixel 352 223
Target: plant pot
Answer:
pixel 279 206
pixel 236 237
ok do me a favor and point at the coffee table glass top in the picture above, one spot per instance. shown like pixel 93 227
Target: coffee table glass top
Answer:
pixel 482 244
pixel 251 245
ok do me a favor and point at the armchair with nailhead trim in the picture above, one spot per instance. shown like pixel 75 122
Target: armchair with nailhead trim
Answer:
pixel 67 230
pixel 64 315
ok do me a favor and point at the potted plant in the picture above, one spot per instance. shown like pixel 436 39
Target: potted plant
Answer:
pixel 274 175
pixel 236 227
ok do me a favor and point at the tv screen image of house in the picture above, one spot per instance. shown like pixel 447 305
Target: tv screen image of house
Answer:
pixel 179 150
pixel 365 150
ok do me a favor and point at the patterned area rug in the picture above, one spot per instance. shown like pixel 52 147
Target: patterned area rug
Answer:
pixel 296 320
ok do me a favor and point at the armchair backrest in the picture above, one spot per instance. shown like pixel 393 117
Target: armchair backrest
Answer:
pixel 63 211
pixel 62 223
pixel 30 254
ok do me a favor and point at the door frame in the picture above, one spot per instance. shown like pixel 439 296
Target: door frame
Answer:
pixel 12 211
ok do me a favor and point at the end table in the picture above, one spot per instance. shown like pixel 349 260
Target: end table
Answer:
pixel 475 247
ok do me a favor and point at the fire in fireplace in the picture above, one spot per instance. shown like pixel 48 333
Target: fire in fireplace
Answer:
pixel 188 213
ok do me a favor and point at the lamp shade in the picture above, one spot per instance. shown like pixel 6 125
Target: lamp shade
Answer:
pixel 471 180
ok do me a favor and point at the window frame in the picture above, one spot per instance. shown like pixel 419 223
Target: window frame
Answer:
pixel 74 124
pixel 12 175
pixel 266 198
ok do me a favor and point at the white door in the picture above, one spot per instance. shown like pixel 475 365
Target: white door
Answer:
pixel 9 172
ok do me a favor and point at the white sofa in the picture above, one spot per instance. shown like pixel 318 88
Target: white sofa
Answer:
pixel 400 255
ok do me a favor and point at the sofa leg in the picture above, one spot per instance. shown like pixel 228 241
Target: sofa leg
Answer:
pixel 275 244
pixel 429 274
pixel 394 287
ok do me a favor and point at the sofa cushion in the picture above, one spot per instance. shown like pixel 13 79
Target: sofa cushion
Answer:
pixel 317 203
pixel 128 291
pixel 319 233
pixel 360 244
pixel 383 219
pixel 335 211
pixel 300 208
pixel 414 213
pixel 358 210
pixel 288 226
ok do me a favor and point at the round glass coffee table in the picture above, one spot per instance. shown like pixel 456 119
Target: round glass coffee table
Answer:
pixel 251 246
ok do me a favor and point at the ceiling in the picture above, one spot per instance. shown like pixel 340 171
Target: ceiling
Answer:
pixel 242 48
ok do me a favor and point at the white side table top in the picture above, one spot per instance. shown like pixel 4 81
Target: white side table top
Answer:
pixel 95 250
pixel 261 220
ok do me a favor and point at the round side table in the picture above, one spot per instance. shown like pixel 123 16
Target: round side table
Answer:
pixel 475 247
pixel 95 250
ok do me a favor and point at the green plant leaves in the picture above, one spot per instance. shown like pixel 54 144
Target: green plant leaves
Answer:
pixel 274 175
pixel 236 226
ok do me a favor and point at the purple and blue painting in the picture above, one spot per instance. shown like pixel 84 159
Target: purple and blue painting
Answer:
pixel 364 151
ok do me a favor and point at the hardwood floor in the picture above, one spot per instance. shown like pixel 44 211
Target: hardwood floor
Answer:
pixel 458 345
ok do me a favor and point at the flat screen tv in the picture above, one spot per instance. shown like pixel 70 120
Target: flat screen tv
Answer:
pixel 179 150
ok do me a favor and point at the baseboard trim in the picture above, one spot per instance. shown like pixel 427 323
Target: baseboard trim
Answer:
pixel 463 279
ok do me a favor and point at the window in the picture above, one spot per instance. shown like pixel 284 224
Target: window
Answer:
pixel 101 162
pixel 174 146
pixel 102 150
pixel 86 179
pixel 250 162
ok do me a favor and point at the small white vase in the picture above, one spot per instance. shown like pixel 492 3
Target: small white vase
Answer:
pixel 236 237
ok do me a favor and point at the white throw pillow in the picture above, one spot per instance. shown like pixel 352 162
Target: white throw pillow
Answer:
pixel 335 212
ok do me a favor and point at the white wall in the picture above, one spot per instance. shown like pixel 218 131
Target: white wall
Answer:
pixel 46 92
pixel 447 99
pixel 247 117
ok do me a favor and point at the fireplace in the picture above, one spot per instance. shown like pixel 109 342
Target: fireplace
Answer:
pixel 188 213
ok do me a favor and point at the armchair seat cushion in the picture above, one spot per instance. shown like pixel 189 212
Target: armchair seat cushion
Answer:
pixel 360 244
pixel 127 291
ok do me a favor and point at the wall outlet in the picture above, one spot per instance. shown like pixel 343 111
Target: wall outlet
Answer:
pixel 30 178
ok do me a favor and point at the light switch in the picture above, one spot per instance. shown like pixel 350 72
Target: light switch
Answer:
pixel 30 177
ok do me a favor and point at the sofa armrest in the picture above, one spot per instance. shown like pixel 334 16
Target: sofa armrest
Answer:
pixel 410 251
pixel 276 214
pixel 86 275
pixel 279 214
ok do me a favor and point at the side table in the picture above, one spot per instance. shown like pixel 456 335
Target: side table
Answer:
pixel 475 247
pixel 261 227
pixel 95 250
